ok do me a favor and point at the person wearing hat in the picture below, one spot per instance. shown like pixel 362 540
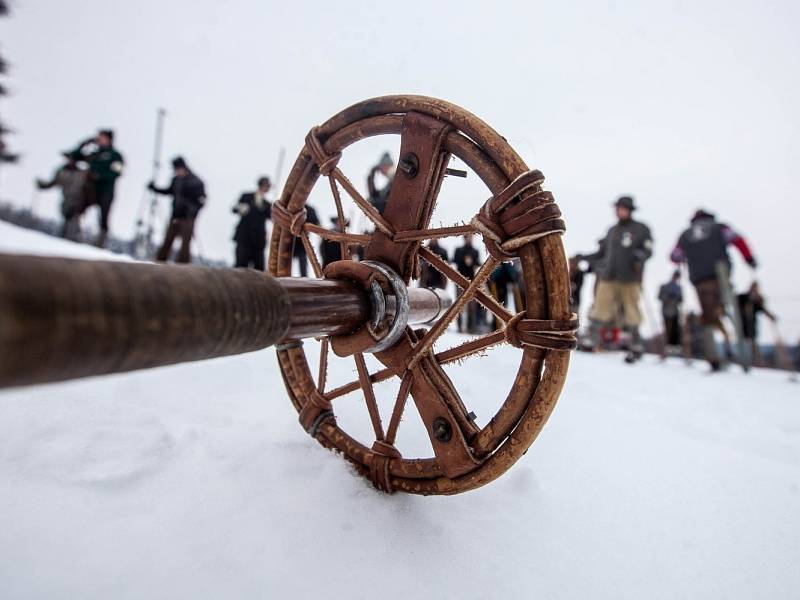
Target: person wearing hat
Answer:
pixel 188 197
pixel 703 246
pixel 619 268
pixel 73 182
pixel 105 166
pixel 254 210
pixel 379 196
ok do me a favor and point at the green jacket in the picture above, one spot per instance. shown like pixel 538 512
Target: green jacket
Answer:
pixel 105 164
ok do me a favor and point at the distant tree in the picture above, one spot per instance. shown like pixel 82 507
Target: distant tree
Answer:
pixel 5 155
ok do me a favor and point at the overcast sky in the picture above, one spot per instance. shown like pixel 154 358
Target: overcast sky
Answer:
pixel 682 104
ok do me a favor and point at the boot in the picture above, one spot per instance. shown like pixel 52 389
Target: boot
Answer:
pixel 637 347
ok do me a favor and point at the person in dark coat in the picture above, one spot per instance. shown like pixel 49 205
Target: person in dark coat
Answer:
pixel 105 166
pixel 501 281
pixel 467 258
pixel 379 196
pixel 74 183
pixel 429 276
pixel 619 266
pixel 751 305
pixel 251 232
pixel 576 277
pixel 704 247
pixel 671 297
pixel 298 249
pixel 188 197
pixel 331 251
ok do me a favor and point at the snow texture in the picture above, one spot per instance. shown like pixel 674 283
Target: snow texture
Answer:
pixel 196 481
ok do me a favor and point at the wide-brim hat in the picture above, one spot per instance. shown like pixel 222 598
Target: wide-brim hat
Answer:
pixel 625 202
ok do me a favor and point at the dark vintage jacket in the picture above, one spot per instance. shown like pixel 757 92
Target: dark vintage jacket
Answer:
pixel 188 195
pixel 623 252
pixel 252 226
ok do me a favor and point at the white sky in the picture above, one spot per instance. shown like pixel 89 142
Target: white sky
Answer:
pixel 682 104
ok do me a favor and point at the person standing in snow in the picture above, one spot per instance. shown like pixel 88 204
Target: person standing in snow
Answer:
pixel 251 232
pixel 429 276
pixel 619 269
pixel 105 166
pixel 501 282
pixel 188 197
pixel 576 277
pixel 298 249
pixel 671 297
pixel 704 246
pixel 466 259
pixel 329 250
pixel 751 305
pixel 74 183
pixel 379 196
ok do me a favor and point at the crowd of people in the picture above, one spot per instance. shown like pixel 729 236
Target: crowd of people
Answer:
pixel 702 250
pixel 90 171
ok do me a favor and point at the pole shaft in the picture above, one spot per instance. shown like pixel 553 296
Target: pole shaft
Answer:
pixel 63 319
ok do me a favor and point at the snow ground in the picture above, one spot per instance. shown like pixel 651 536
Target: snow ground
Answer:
pixel 195 481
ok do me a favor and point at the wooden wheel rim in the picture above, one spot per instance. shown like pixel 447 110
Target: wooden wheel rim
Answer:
pixel 541 374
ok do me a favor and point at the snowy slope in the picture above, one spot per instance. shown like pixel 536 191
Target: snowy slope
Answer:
pixel 195 481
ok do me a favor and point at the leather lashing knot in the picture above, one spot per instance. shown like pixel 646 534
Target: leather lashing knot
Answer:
pixel 315 411
pixel 292 221
pixel 518 215
pixel 325 162
pixel 382 455
pixel 542 333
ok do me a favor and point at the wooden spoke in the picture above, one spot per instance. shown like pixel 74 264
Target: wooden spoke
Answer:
pixel 347 388
pixel 437 233
pixel 312 254
pixel 399 407
pixel 354 239
pixel 470 348
pixel 370 211
pixel 369 396
pixel 344 249
pixel 485 299
pixel 451 313
pixel 323 366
